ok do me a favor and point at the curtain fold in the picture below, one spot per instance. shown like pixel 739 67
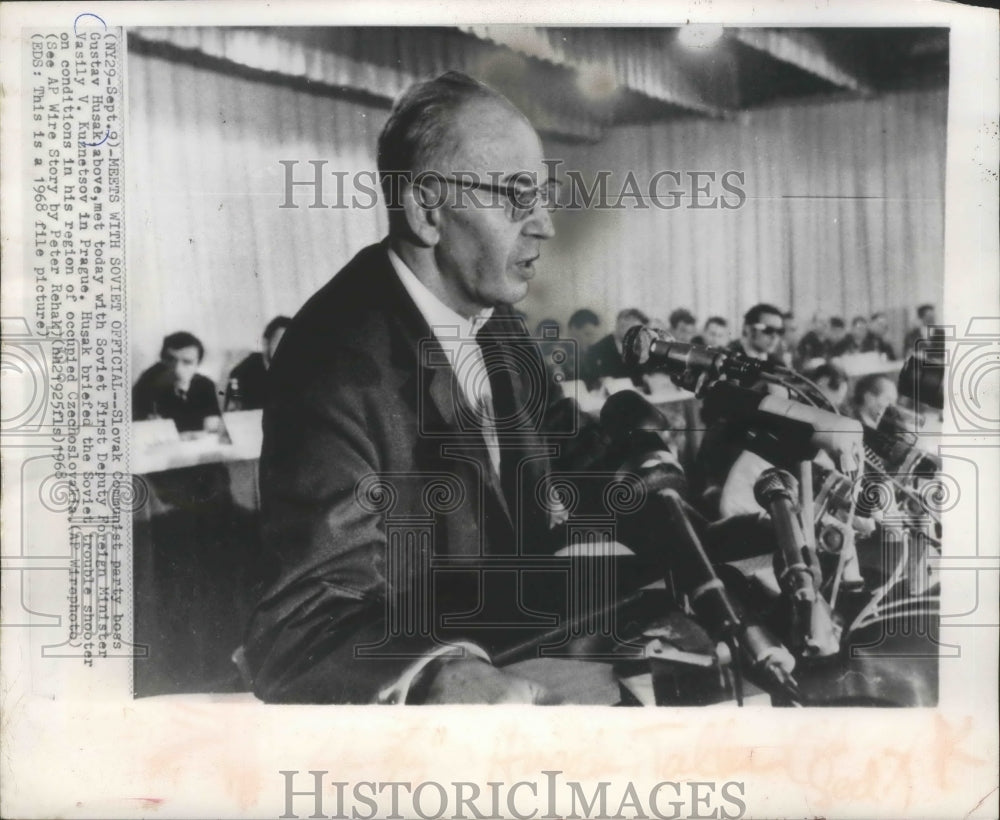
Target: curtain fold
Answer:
pixel 210 248
pixel 844 214
pixel 844 209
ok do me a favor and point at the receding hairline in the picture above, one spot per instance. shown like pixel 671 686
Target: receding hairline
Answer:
pixel 462 129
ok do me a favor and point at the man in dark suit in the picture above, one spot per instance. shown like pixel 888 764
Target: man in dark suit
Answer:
pixel 814 344
pixel 582 328
pixel 173 389
pixel 763 329
pixel 401 426
pixel 875 341
pixel 840 342
pixel 604 359
pixel 924 331
pixel 682 325
pixel 247 386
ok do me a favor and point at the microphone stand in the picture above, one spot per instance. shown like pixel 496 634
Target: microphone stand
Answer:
pixel 724 621
pixel 813 628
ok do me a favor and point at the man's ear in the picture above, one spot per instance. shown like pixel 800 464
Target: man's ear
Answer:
pixel 422 218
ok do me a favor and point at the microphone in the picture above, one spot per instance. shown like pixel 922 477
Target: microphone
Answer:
pixel 631 426
pixel 708 596
pixel 786 431
pixel 712 603
pixel 652 350
pixel 626 411
pixel 812 623
pixel 769 657
pixel 581 441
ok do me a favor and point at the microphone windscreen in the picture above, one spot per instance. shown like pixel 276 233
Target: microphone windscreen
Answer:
pixel 626 411
pixel 774 482
pixel 563 417
pixel 638 341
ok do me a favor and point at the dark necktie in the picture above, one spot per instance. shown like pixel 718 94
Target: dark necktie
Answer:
pixel 504 411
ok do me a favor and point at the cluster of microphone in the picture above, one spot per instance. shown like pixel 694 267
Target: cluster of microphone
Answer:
pixel 788 434
pixel 650 349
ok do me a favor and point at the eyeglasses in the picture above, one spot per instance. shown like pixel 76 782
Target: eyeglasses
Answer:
pixel 768 330
pixel 521 199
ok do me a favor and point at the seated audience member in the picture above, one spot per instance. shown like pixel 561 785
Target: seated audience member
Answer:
pixel 716 333
pixel 247 388
pixel 682 325
pixel 859 330
pixel 763 327
pixel 814 344
pixel 582 328
pixel 172 389
pixel 923 331
pixel 878 327
pixel 839 341
pixel 604 359
pixel 832 383
pixel 724 441
pixel 872 395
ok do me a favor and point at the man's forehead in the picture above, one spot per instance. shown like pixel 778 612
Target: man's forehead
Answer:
pixel 493 139
pixel 189 352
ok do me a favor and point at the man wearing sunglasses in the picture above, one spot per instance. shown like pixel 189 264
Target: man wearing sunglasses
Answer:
pixel 763 329
pixel 405 404
pixel 722 447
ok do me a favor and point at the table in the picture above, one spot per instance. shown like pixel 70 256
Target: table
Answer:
pixel 858 365
pixel 198 561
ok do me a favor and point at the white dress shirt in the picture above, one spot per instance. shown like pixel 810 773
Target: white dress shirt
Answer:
pixel 457 336
pixel 454 333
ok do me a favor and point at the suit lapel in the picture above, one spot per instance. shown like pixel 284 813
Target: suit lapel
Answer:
pixel 436 389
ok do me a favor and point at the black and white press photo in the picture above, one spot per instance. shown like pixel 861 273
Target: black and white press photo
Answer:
pixel 492 410
pixel 538 365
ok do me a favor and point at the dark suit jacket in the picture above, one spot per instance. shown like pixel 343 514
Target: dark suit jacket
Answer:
pixel 153 396
pixel 811 346
pixel 370 472
pixel 934 334
pixel 604 361
pixel 251 382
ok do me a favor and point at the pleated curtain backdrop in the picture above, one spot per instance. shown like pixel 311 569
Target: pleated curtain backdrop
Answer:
pixel 844 208
pixel 844 213
pixel 210 248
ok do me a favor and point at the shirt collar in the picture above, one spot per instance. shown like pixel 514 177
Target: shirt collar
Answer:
pixel 436 313
pixel 749 351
